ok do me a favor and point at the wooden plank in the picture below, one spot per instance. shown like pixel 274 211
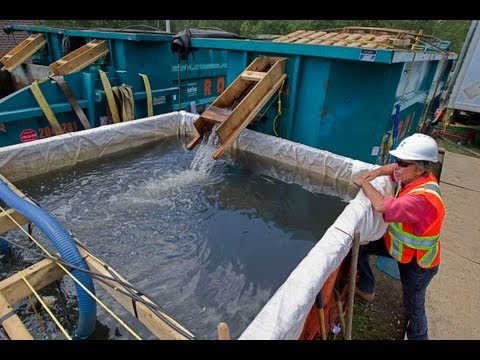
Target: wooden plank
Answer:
pixel 355 44
pixel 400 42
pixel 305 35
pixel 215 114
pixel 472 127
pixel 238 86
pixel 253 75
pixel 228 97
pixel 223 331
pixel 249 102
pixel 341 36
pixel 370 45
pixel 6 224
pixel 237 131
pixel 296 33
pixel 14 188
pixel 280 39
pixel 317 35
pixel 155 324
pixel 295 36
pixel 327 42
pixel 22 52
pixel 382 38
pixel 80 58
pixel 38 275
pixel 194 141
pixel 303 40
pixel 13 326
pixel 290 39
pixel 354 36
pixel 311 37
pixel 316 41
pixel 368 37
pixel 84 59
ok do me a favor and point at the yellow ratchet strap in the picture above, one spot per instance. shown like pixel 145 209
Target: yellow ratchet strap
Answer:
pixel 109 94
pixel 42 102
pixel 148 91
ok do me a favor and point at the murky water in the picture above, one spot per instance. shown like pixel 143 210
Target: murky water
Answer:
pixel 209 241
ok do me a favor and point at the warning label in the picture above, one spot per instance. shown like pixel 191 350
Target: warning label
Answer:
pixel 368 55
pixel 28 135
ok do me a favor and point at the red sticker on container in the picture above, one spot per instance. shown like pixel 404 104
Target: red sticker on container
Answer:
pixel 28 135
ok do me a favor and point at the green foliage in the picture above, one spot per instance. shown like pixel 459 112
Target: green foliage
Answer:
pixel 454 31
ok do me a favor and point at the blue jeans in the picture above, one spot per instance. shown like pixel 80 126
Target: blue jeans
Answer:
pixel 414 281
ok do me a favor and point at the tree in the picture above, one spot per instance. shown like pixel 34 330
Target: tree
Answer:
pixel 454 31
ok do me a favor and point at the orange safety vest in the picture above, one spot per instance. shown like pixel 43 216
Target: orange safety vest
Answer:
pixel 402 244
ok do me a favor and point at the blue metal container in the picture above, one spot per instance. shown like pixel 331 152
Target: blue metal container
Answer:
pixel 175 84
pixel 344 99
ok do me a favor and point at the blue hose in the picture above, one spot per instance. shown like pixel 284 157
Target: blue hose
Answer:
pixel 65 245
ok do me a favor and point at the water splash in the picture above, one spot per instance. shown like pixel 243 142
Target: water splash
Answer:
pixel 203 161
pixel 203 170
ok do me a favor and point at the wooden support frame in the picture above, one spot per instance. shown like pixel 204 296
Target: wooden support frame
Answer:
pixel 45 272
pixel 13 326
pixel 229 131
pixel 80 58
pixel 14 289
pixel 243 99
pixel 15 57
pixel 6 223
pixel 152 322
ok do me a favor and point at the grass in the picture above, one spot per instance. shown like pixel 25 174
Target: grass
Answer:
pixel 451 146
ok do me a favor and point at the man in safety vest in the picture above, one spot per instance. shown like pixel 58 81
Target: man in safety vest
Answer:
pixel 415 216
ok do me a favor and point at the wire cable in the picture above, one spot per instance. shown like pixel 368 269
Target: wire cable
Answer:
pixel 74 278
pixel 39 298
pixel 130 290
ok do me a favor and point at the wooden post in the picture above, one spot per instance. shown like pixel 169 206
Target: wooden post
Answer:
pixel 223 332
pixel 13 326
pixel 339 304
pixel 321 315
pixel 351 285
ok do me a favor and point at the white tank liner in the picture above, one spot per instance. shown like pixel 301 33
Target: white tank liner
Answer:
pixel 285 313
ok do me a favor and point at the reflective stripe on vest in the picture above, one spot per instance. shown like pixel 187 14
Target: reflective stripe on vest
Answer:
pixel 431 187
pixel 398 237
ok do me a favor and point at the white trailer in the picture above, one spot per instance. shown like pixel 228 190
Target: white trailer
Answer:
pixel 465 95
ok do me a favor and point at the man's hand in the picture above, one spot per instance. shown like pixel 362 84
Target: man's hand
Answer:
pixel 372 174
pixel 375 197
pixel 360 180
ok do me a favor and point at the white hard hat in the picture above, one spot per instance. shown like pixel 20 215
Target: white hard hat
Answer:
pixel 417 147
